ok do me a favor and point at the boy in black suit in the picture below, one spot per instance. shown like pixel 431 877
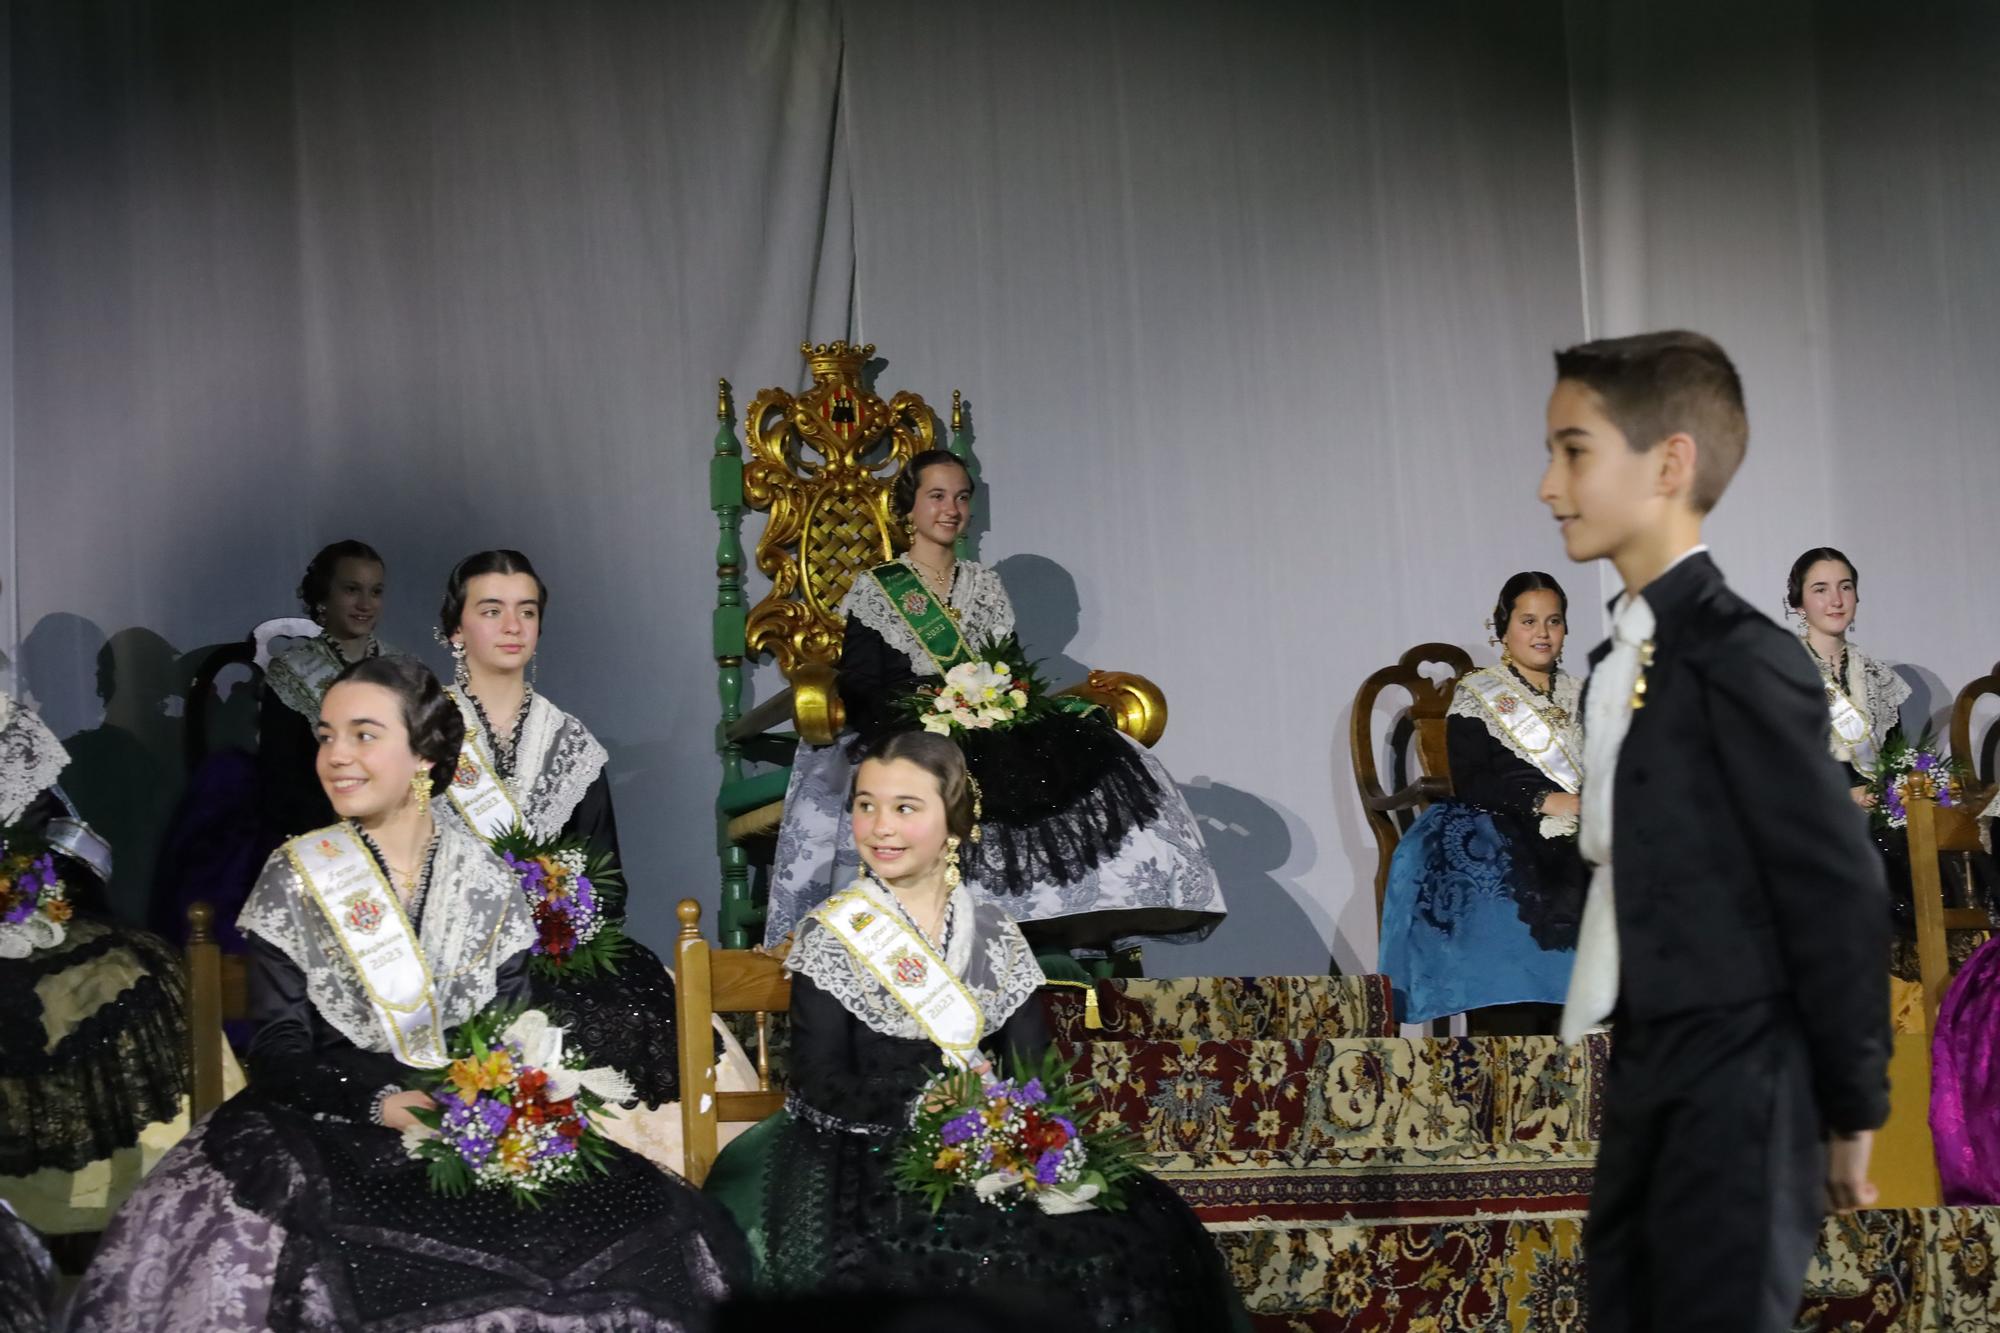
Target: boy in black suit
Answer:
pixel 1744 954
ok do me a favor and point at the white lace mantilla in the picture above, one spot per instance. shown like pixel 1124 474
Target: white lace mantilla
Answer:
pixel 1874 687
pixel 983 948
pixel 474 919
pixel 31 758
pixel 984 613
pixel 557 761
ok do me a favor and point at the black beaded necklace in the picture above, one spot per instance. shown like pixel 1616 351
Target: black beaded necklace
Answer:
pixel 1838 681
pixel 505 749
pixel 413 909
pixel 333 646
pixel 1547 696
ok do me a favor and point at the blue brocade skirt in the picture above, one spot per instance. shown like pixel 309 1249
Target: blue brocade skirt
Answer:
pixel 1456 914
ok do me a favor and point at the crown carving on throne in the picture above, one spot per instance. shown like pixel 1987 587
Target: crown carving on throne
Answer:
pixel 821 464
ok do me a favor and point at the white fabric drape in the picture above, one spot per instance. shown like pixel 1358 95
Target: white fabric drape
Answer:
pixel 1252 305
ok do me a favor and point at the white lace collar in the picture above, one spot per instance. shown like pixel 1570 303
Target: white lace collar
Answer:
pixel 31 758
pixel 983 948
pixel 985 614
pixel 474 919
pixel 555 763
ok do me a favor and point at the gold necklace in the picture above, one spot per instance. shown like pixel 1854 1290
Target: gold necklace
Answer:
pixel 931 579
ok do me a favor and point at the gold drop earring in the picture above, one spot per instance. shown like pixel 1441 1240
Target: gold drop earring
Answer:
pixel 952 876
pixel 421 786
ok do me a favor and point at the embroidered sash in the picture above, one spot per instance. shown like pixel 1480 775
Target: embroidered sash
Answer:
pixel 1851 727
pixel 1508 708
pixel 934 628
pixel 476 788
pixel 873 928
pixel 347 885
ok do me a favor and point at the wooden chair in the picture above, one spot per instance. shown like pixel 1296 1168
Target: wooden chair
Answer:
pixel 218 992
pixel 1429 699
pixel 710 981
pixel 821 465
pixel 1936 831
pixel 1984 764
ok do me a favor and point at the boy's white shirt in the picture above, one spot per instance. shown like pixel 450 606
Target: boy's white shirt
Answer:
pixel 1593 980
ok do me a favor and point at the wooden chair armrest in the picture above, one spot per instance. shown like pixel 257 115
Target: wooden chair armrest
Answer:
pixel 768 714
pixel 1416 793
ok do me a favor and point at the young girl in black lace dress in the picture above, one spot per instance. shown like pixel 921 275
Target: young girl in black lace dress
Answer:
pixel 813 1185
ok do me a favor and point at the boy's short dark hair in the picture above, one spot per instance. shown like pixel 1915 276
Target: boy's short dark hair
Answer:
pixel 1654 385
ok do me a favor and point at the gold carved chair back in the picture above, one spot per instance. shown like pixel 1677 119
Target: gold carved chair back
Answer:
pixel 821 464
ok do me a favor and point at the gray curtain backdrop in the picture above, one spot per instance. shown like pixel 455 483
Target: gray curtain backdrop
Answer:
pixel 1252 306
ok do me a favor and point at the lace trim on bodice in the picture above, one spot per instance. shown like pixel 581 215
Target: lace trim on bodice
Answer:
pixel 557 761
pixel 474 919
pixel 984 613
pixel 983 947
pixel 1874 686
pixel 31 758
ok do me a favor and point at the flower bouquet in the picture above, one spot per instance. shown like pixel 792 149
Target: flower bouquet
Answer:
pixel 997 691
pixel 514 1110
pixel 572 895
pixel 33 905
pixel 1012 1140
pixel 1908 770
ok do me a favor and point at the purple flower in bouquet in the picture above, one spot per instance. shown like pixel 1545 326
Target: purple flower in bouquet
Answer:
pixel 1030 1093
pixel 1048 1167
pixel 1924 761
pixel 959 1130
pixel 23 908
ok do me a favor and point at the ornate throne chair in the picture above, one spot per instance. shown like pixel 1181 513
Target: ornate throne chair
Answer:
pixel 821 464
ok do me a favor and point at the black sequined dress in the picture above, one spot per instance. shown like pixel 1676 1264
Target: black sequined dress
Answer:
pixel 556 771
pixel 1085 838
pixel 813 1189
pixel 624 1019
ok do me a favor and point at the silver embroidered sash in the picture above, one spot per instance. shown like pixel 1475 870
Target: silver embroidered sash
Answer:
pixel 1851 727
pixel 1513 712
pixel 477 791
pixel 348 887
pixel 871 925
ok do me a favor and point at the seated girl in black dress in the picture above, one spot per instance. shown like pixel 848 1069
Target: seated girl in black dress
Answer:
pixel 813 1185
pixel 296 1205
pixel 342 591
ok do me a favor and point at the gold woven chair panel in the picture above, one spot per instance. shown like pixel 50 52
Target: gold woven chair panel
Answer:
pixel 821 465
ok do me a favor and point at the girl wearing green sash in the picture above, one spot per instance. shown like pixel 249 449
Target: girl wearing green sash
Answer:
pixel 901 973
pixel 1085 840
